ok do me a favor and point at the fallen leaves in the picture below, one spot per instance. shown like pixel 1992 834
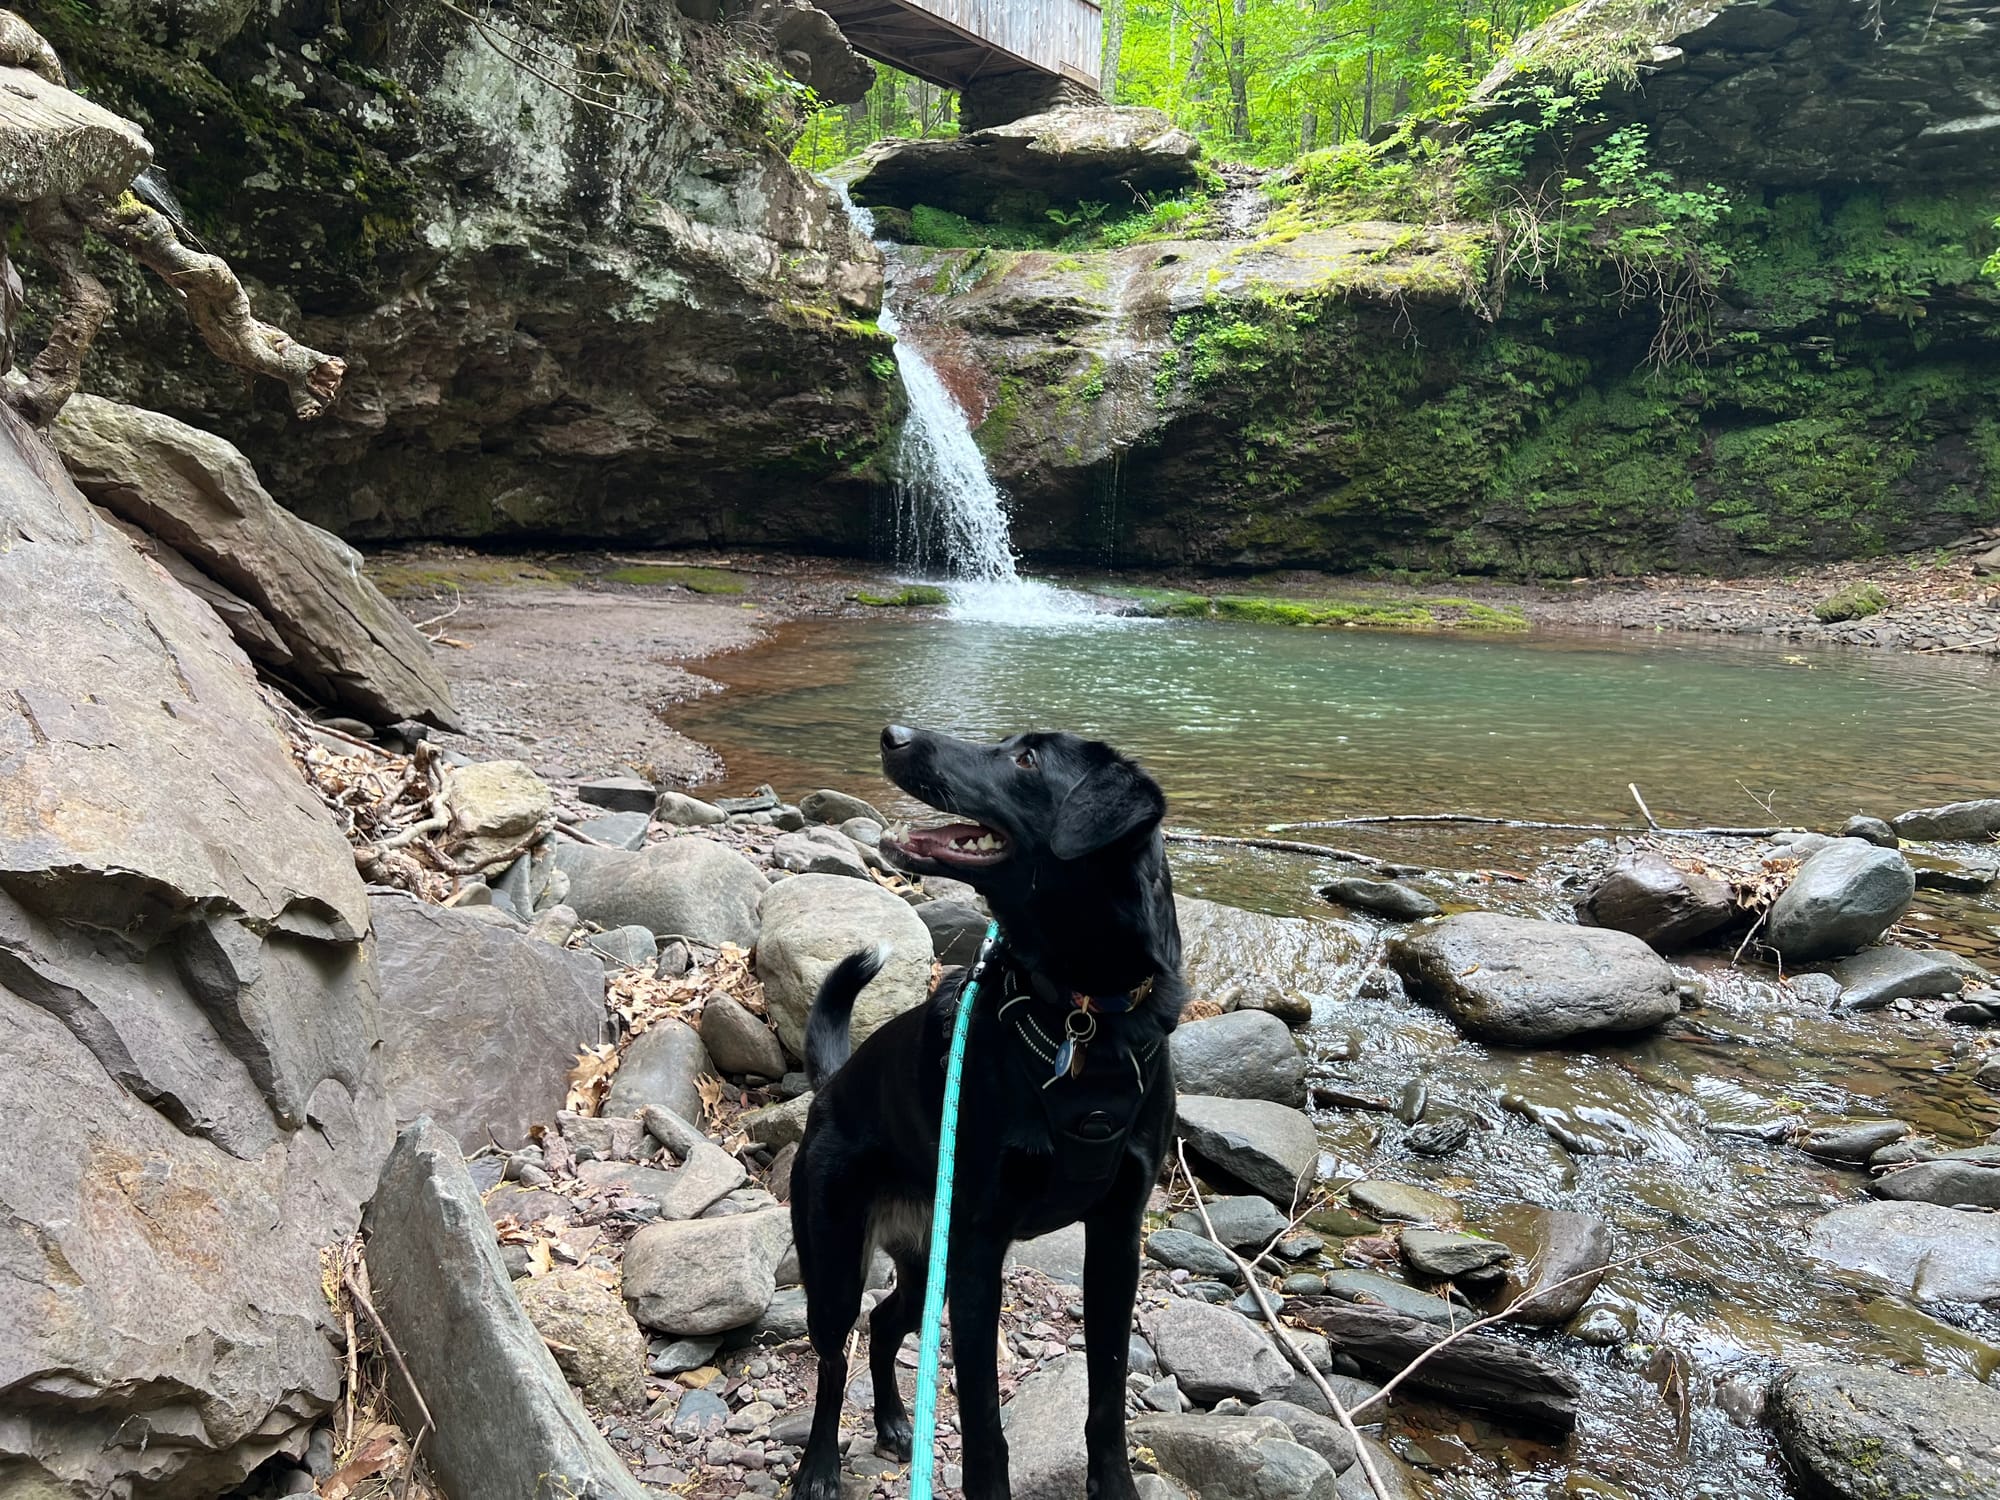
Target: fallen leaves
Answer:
pixel 590 1079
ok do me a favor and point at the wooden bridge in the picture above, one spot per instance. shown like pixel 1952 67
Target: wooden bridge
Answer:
pixel 956 43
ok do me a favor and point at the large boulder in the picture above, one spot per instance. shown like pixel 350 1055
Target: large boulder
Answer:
pixel 812 922
pixel 704 1276
pixel 481 1024
pixel 1525 982
pixel 1840 900
pixel 1247 1054
pixel 330 631
pixel 689 887
pixel 1656 901
pixel 1243 1458
pixel 507 1425
pixel 1859 1432
pixel 1269 1148
pixel 1925 1252
pixel 591 1332
pixel 494 805
pixel 1066 155
pixel 662 1068
pixel 1876 976
pixel 1971 821
pixel 188 1027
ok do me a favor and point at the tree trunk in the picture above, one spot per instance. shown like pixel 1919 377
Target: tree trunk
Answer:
pixel 1239 80
pixel 1368 88
pixel 1114 43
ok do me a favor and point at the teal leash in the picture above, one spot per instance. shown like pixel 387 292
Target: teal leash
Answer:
pixel 923 1443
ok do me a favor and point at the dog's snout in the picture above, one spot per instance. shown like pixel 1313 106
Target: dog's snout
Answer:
pixel 898 737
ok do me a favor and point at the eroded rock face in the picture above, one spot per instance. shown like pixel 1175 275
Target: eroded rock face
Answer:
pixel 187 1026
pixel 307 612
pixel 623 321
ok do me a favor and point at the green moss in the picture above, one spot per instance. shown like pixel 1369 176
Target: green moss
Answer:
pixel 427 577
pixel 673 575
pixel 1855 602
pixel 913 595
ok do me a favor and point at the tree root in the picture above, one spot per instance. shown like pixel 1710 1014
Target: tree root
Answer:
pixel 58 369
pixel 219 307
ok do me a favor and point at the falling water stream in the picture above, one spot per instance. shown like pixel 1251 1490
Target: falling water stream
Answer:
pixel 951 518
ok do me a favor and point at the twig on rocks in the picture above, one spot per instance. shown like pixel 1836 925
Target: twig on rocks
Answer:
pixel 583 838
pixel 1488 822
pixel 1284 846
pixel 359 1293
pixel 1502 1316
pixel 1284 1334
pixel 494 41
pixel 1644 811
pixel 85 304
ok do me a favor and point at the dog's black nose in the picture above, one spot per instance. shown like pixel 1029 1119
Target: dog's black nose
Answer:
pixel 897 736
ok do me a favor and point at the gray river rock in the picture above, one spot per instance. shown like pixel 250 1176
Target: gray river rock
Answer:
pixel 690 887
pixel 1246 1054
pixel 1840 900
pixel 1528 983
pixel 1970 821
pixel 1924 1251
pixel 1859 1433
pixel 811 923
pixel 1663 905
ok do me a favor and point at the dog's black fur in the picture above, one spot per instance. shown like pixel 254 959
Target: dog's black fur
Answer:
pixel 1085 906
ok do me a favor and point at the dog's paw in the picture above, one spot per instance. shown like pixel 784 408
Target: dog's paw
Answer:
pixel 895 1439
pixel 1112 1482
pixel 817 1481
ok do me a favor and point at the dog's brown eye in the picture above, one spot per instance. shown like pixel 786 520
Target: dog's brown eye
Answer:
pixel 1025 760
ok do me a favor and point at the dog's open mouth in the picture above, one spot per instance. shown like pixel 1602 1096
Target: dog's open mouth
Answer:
pixel 952 844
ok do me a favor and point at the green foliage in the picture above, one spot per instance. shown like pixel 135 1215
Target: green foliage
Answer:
pixel 910 596
pixel 883 368
pixel 1388 613
pixel 1855 602
pixel 1993 261
pixel 898 105
pixel 669 575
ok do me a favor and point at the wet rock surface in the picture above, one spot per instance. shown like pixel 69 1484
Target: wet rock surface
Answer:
pixel 1247 1054
pixel 1511 979
pixel 1869 1434
pixel 1657 902
pixel 1842 899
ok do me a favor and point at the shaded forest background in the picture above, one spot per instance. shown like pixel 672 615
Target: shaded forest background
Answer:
pixel 1262 81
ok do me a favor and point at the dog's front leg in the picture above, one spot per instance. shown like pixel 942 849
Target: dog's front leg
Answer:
pixel 974 1285
pixel 1110 1285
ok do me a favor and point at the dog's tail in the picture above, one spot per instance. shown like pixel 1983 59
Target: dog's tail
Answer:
pixel 826 1027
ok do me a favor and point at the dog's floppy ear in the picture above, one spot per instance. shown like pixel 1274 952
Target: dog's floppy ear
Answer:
pixel 1111 802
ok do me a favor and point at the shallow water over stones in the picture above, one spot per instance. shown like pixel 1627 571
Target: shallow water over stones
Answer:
pixel 1680 1138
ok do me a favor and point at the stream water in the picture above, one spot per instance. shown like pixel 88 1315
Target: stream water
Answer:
pixel 1246 726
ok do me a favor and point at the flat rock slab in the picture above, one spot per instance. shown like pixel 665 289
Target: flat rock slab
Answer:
pixel 1242 1458
pixel 1865 1433
pixel 508 1425
pixel 1525 982
pixel 1973 822
pixel 1401 1202
pixel 1242 1223
pixel 480 1024
pixel 1444 1255
pixel 1068 155
pixel 1475 1370
pixel 336 636
pixel 1215 1352
pixel 1044 1423
pixel 1269 1148
pixel 1927 1252
pixel 690 886
pixel 1958 1179
pixel 1370 1288
pixel 1876 976
pixel 54 143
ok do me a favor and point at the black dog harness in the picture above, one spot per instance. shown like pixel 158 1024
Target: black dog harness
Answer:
pixel 1090 1078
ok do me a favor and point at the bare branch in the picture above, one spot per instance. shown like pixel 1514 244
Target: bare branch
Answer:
pixel 1284 1334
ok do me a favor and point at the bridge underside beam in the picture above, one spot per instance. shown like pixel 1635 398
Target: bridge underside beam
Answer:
pixel 957 43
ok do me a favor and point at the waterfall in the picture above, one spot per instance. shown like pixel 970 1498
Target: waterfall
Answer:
pixel 951 518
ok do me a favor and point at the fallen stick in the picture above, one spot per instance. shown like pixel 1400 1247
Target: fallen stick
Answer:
pixel 1284 1334
pixel 1284 846
pixel 1502 1316
pixel 1645 811
pixel 1377 819
pixel 354 1290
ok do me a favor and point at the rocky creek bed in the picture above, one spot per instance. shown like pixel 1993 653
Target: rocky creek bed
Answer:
pixel 1769 1175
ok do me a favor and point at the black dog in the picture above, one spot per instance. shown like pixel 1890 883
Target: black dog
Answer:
pixel 1068 1096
